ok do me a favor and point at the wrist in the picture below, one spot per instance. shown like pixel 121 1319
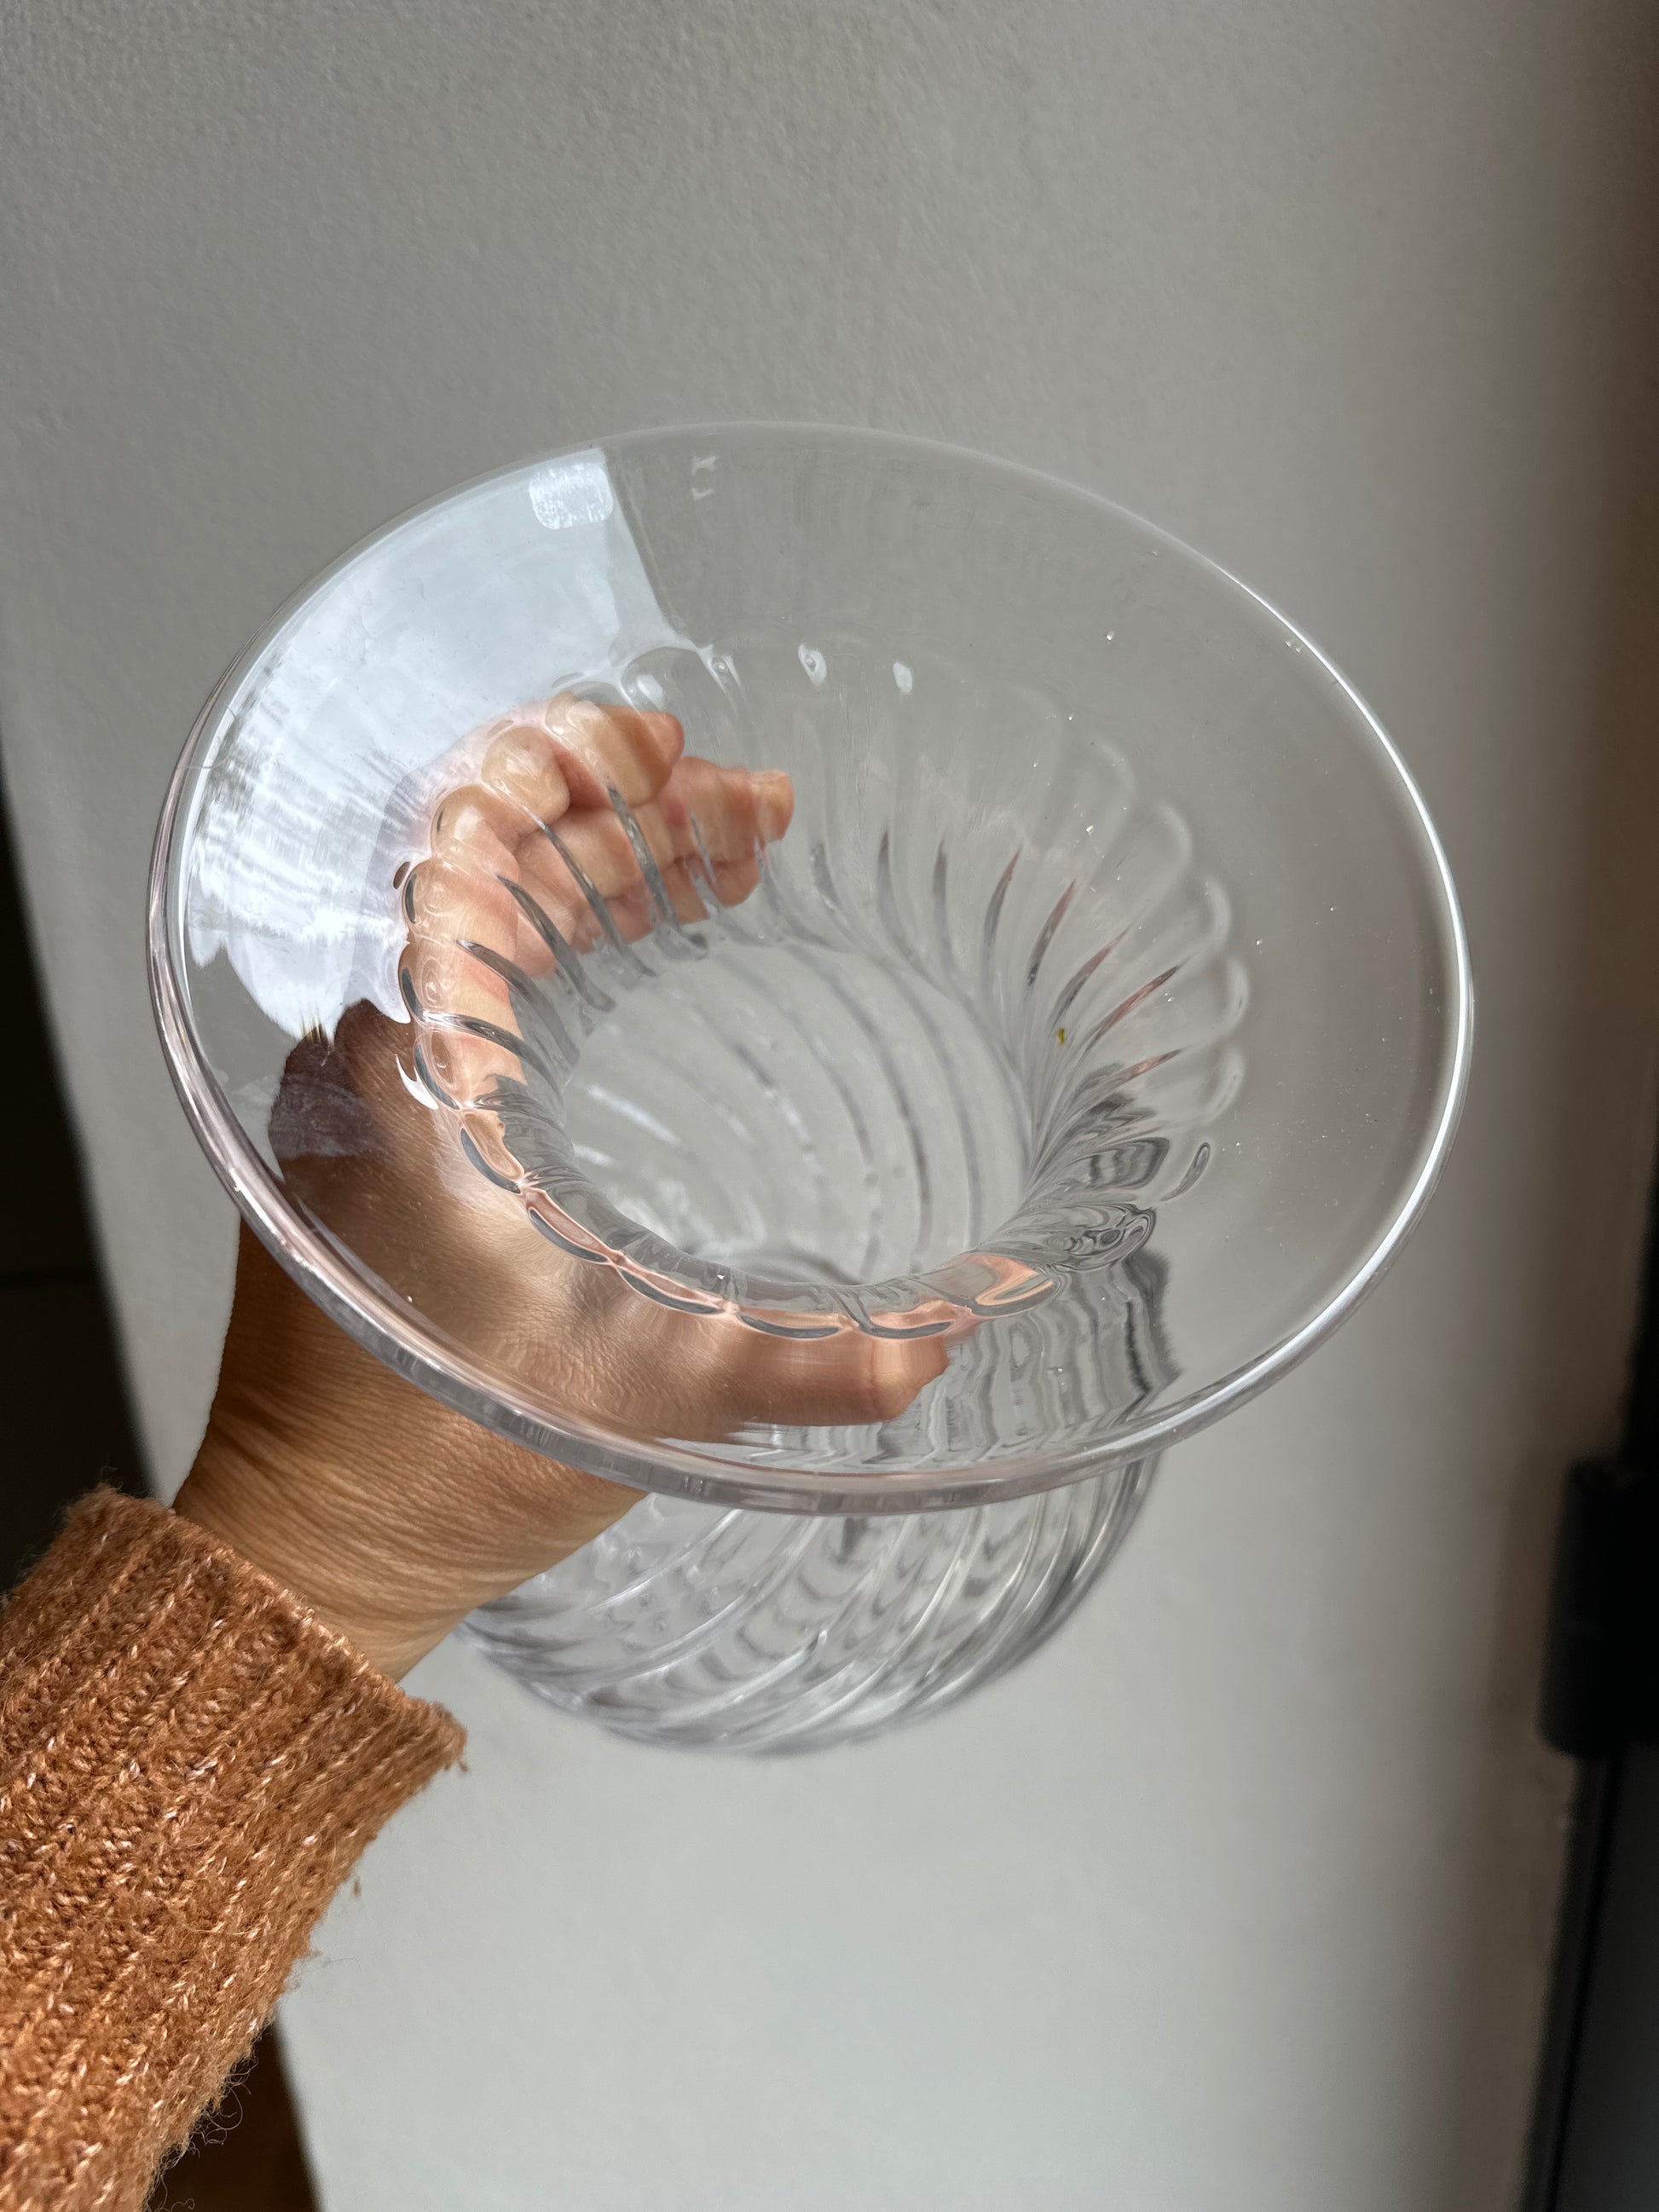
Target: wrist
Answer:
pixel 359 1581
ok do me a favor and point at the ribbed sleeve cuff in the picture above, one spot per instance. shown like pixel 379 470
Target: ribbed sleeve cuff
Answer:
pixel 190 1765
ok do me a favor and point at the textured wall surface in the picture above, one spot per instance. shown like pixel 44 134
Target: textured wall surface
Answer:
pixel 1240 1896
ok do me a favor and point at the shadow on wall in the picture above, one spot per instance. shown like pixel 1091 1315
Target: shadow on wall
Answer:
pixel 1605 1154
pixel 66 1406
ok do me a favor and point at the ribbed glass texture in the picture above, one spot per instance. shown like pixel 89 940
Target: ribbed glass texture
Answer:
pixel 760 1632
pixel 1086 1047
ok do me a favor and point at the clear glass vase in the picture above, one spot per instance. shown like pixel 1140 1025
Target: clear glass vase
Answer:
pixel 1077 1058
pixel 699 1625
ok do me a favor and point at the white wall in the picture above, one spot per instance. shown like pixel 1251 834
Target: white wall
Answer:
pixel 1241 1897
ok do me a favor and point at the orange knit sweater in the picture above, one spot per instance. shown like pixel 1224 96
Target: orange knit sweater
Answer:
pixel 190 1765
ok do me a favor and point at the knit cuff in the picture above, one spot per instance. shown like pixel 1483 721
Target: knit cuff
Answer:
pixel 190 1765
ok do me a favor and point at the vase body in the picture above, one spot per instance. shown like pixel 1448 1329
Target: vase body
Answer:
pixel 728 1629
pixel 881 1200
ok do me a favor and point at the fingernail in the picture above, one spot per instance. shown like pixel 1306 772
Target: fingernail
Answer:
pixel 520 765
pixel 775 795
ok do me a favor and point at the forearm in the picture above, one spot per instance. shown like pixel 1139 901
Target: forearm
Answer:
pixel 190 1765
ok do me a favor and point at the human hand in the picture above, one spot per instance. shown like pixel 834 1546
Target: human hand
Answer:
pixel 390 1515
